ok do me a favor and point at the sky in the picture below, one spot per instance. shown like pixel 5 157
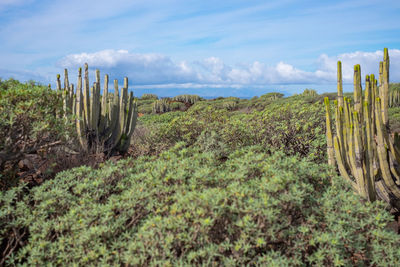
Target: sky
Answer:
pixel 210 48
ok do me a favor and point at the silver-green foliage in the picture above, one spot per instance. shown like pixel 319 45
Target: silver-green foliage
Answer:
pixel 186 209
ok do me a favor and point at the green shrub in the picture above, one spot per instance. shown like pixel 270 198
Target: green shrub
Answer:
pixel 178 106
pixel 145 106
pixel 213 143
pixel 28 124
pixel 295 127
pixel 160 118
pixel 291 125
pixel 151 135
pixel 228 103
pixel 191 124
pixel 185 208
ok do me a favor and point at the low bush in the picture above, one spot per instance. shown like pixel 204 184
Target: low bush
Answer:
pixel 295 127
pixel 145 106
pixel 152 136
pixel 185 208
pixel 28 125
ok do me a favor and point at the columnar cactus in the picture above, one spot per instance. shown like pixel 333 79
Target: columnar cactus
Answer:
pixel 309 92
pixel 365 153
pixel 394 97
pixel 104 123
pixel 161 106
pixel 189 99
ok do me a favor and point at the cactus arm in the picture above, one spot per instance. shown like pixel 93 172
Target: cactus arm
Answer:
pixel 132 124
pixel 339 128
pixel 86 97
pixel 348 126
pixel 367 97
pixel 91 104
pixel 104 106
pixel 382 153
pixel 123 106
pixel 357 90
pixel 133 119
pixel 65 94
pixel 385 88
pixel 340 84
pixel 341 166
pixel 358 155
pixel 80 124
pixel 129 112
pixel 64 99
pixel 369 120
pixel 73 100
pixel 115 118
pixel 66 90
pixel 58 83
pixel 97 107
pixel 370 153
pixel 331 156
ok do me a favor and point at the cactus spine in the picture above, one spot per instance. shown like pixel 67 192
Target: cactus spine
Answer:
pixel 104 123
pixel 365 153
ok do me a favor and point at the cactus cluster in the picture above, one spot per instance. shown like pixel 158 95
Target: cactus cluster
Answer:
pixel 149 97
pixel 161 106
pixel 363 149
pixel 309 92
pixel 189 99
pixel 394 97
pixel 230 105
pixel 104 123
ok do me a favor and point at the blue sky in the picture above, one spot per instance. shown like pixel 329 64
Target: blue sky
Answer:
pixel 211 48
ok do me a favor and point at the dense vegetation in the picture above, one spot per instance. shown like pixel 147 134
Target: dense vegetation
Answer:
pixel 211 182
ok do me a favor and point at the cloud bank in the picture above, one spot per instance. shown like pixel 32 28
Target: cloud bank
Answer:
pixel 155 70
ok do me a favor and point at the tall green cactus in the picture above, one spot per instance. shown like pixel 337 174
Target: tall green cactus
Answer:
pixel 394 96
pixel 161 106
pixel 104 123
pixel 365 153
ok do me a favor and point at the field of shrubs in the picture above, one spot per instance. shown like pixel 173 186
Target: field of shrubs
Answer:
pixel 218 182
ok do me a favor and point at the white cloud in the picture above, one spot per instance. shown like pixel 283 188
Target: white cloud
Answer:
pixel 155 69
pixel 369 62
pixel 140 68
